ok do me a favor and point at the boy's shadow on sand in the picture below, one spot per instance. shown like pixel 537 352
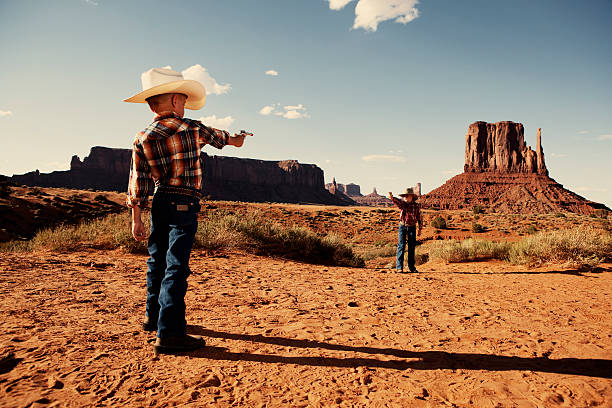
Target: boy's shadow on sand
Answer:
pixel 419 360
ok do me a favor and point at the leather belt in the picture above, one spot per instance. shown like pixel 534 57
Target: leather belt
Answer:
pixel 188 191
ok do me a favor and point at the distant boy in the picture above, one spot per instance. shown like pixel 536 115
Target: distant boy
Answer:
pixel 410 216
pixel 166 163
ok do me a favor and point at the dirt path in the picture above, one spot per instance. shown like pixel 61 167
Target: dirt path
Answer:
pixel 289 334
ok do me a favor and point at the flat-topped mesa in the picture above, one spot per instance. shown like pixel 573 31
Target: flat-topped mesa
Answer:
pixel 500 147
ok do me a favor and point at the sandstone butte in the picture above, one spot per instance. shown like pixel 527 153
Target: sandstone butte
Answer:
pixel 503 174
pixel 225 178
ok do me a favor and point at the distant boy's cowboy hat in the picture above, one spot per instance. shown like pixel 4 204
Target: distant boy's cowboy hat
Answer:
pixel 157 81
pixel 409 191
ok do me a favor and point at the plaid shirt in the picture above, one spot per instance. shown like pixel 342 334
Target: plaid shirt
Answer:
pixel 168 152
pixel 411 212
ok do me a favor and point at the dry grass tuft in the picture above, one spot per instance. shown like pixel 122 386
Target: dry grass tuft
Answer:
pixel 468 250
pixel 584 246
pixel 580 247
pixel 251 232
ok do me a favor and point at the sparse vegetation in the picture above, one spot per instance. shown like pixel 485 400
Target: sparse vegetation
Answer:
pixel 468 250
pixel 251 232
pixel 586 246
pixel 477 228
pixel 477 209
pixel 438 222
pixel 531 229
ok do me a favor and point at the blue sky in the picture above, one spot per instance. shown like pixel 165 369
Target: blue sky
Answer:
pixel 372 100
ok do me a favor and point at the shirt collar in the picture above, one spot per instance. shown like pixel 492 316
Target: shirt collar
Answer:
pixel 166 115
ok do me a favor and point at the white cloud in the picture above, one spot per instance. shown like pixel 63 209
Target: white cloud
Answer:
pixel 383 158
pixel 92 2
pixel 584 132
pixel 294 114
pixel 338 4
pixel 217 123
pixel 266 110
pixel 272 72
pixel 288 112
pixel 370 13
pixel 6 113
pixel 295 107
pixel 605 137
pixel 559 155
pixel 200 74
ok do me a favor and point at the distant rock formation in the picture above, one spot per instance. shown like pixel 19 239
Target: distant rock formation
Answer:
pixel 503 174
pixel 351 189
pixel 373 200
pixel 225 178
pixel 500 147
pixel 338 191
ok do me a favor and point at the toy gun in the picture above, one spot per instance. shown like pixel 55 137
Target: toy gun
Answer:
pixel 245 133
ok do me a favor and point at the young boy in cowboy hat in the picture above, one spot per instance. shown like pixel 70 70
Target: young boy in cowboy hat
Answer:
pixel 166 163
pixel 410 216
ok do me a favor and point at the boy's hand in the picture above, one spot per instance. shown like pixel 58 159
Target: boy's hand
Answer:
pixel 238 138
pixel 138 230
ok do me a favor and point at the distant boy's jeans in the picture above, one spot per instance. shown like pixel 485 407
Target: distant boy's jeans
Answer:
pixel 401 245
pixel 174 222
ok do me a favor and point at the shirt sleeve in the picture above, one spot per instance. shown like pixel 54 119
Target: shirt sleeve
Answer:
pixel 214 137
pixel 399 203
pixel 140 184
pixel 419 216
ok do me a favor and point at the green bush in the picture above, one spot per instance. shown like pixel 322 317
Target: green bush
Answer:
pixel 531 229
pixel 438 222
pixel 478 209
pixel 477 227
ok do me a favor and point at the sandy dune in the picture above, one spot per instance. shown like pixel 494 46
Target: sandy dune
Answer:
pixel 290 334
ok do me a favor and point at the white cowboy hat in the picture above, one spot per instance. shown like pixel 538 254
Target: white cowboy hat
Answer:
pixel 157 81
pixel 409 191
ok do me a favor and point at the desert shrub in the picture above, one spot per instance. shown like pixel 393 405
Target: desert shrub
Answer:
pixel 380 252
pixel 251 232
pixel 601 213
pixel 559 215
pixel 477 227
pixel 420 257
pixel 254 233
pixel 468 250
pixel 438 222
pixel 5 189
pixel 531 229
pixel 477 209
pixel 584 246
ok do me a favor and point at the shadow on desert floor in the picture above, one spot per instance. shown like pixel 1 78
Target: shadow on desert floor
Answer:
pixel 421 360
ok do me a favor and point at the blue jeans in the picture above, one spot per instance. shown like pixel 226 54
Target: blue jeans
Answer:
pixel 401 245
pixel 174 222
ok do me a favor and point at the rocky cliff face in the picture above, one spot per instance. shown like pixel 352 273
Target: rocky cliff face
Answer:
pixel 500 147
pixel 225 178
pixel 503 174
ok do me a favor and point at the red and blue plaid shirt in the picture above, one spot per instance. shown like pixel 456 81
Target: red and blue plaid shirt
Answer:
pixel 411 212
pixel 168 152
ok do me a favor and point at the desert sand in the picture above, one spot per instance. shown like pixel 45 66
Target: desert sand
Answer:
pixel 284 333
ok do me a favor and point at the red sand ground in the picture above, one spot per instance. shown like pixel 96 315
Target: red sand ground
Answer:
pixel 286 334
